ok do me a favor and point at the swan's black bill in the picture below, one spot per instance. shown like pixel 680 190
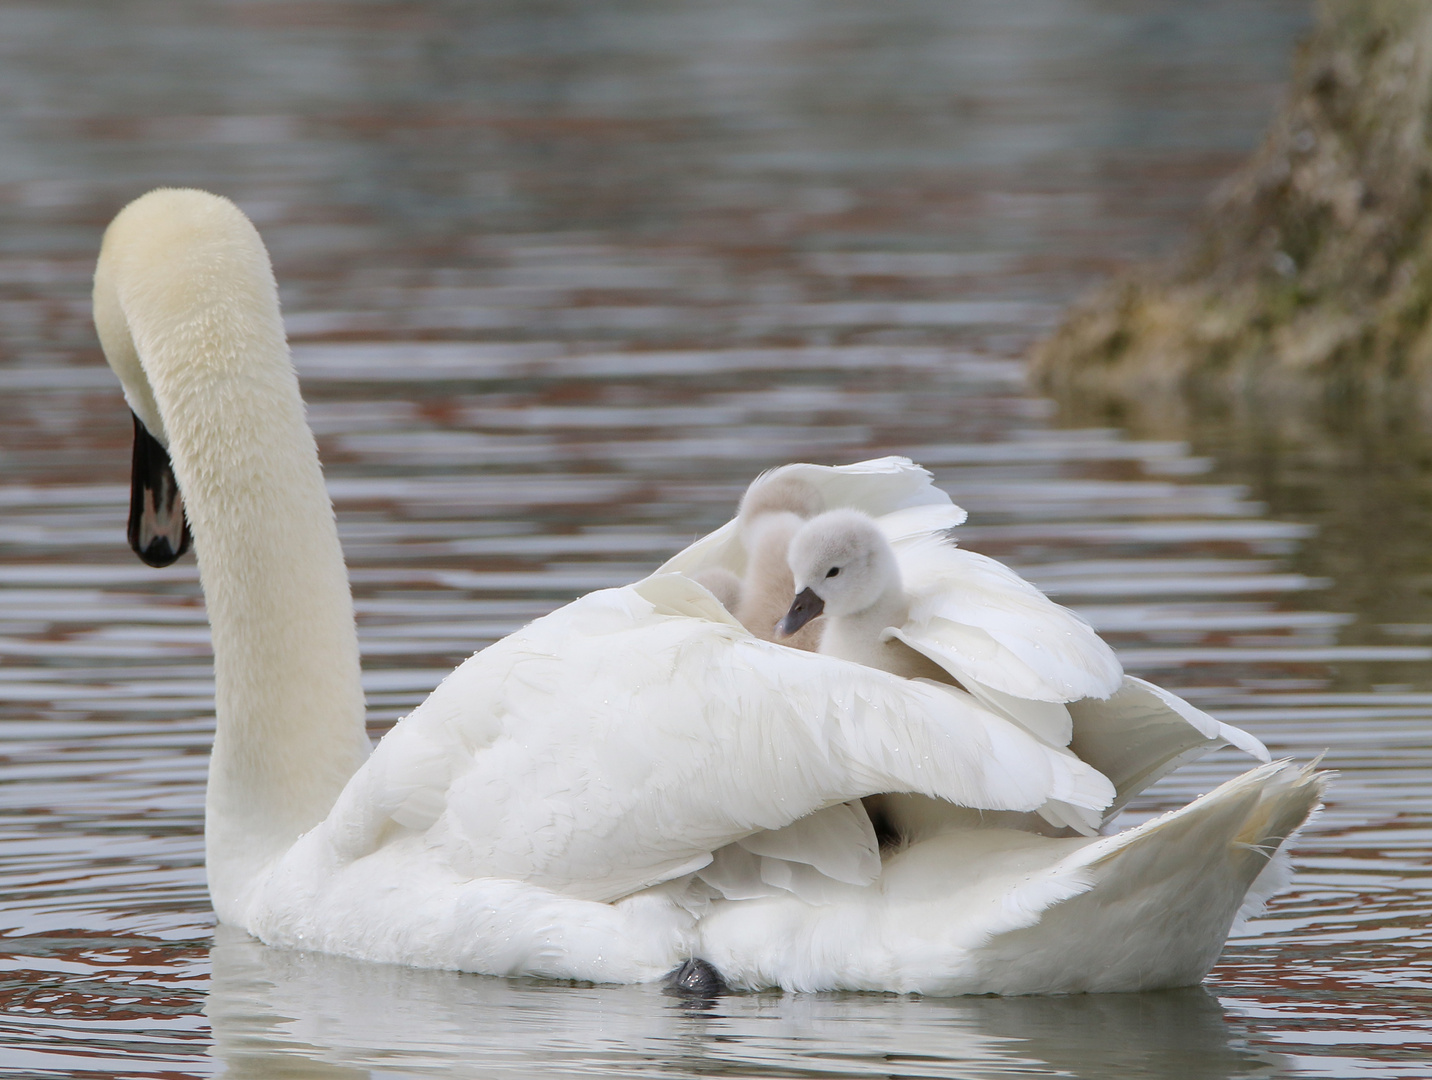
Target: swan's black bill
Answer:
pixel 806 607
pixel 158 532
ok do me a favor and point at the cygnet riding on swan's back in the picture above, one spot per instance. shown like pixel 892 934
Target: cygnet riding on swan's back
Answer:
pixel 772 511
pixel 552 807
pixel 842 565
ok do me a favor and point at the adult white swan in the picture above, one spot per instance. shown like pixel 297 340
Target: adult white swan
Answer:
pixel 546 809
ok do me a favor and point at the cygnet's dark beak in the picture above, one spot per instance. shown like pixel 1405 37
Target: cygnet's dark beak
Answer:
pixel 158 532
pixel 806 607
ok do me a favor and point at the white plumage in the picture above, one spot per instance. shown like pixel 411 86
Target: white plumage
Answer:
pixel 553 805
pixel 700 735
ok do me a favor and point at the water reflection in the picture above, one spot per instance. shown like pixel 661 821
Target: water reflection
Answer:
pixel 281 1014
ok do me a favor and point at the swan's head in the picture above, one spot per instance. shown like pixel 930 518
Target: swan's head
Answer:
pixel 842 565
pixel 178 269
pixel 775 493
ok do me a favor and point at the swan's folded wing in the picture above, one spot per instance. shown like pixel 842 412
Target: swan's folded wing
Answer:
pixel 879 487
pixel 838 841
pixel 932 520
pixel 810 857
pixel 1144 732
pixel 621 740
pixel 981 621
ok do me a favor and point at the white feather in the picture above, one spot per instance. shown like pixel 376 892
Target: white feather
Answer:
pixel 980 617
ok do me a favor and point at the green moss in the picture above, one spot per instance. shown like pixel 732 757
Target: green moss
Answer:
pixel 1321 246
pixel 1117 344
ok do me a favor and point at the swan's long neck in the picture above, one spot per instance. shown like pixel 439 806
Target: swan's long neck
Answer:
pixel 196 306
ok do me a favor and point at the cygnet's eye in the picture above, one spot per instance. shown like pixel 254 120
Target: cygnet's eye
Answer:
pixel 832 571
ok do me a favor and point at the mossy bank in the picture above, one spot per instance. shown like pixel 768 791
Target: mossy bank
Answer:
pixel 1312 274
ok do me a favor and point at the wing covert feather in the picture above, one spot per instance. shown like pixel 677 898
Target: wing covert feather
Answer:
pixel 997 628
pixel 1144 732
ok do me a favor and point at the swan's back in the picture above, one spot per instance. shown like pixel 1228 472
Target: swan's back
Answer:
pixel 674 733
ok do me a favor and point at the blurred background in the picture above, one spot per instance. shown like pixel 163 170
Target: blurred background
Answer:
pixel 561 278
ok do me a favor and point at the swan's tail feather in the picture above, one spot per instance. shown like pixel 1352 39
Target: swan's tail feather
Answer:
pixel 1163 897
pixel 1281 796
pixel 1000 911
pixel 1275 843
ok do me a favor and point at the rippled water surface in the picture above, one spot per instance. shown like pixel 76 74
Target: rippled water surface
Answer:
pixel 561 278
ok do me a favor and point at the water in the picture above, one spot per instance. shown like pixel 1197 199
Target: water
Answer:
pixel 561 279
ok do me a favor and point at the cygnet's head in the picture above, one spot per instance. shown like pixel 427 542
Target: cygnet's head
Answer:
pixel 722 584
pixel 842 565
pixel 773 493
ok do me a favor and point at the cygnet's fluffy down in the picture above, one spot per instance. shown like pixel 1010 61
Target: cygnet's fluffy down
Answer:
pixel 722 584
pixel 776 494
pixel 842 567
pixel 772 511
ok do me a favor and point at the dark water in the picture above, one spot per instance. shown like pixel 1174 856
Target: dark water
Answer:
pixel 561 279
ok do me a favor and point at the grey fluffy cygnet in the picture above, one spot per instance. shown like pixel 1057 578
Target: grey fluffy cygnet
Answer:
pixel 772 511
pixel 722 584
pixel 843 568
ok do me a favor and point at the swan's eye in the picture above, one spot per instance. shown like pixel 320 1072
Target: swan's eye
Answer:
pixel 832 571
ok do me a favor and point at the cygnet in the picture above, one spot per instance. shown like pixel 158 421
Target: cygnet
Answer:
pixel 722 584
pixel 843 568
pixel 772 511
